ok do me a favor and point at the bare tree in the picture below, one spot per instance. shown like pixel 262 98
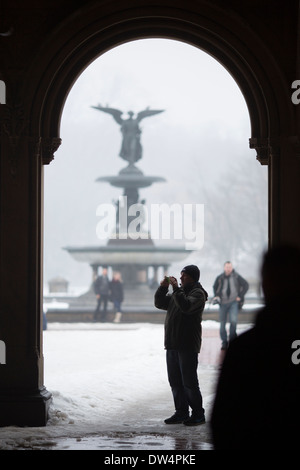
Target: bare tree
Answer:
pixel 236 213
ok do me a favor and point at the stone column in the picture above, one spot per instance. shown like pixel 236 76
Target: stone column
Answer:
pixel 282 155
pixel 284 166
pixel 24 399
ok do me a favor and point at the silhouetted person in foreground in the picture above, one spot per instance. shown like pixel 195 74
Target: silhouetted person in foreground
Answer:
pixel 257 404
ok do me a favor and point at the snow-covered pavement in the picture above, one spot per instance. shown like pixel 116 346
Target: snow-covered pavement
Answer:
pixel 110 390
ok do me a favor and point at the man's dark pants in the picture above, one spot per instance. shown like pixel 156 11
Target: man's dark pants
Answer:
pixel 183 379
pixel 231 309
pixel 104 299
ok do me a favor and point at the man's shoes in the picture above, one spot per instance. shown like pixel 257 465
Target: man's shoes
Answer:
pixel 194 421
pixel 224 346
pixel 176 419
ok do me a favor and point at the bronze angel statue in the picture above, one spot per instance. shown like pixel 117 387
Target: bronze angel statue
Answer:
pixel 131 149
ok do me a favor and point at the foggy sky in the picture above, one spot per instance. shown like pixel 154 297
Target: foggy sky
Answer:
pixel 203 130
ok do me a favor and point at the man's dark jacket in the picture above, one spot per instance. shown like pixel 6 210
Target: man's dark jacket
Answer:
pixel 101 285
pixel 184 307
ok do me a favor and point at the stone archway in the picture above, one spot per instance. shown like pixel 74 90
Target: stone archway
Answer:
pixel 31 130
pixel 228 40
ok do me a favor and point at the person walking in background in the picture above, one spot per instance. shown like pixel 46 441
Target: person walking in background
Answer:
pixel 229 291
pixel 101 289
pixel 257 405
pixel 117 295
pixel 183 336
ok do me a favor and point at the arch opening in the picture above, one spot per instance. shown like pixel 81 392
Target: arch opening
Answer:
pixel 258 88
pixel 183 116
pixel 170 143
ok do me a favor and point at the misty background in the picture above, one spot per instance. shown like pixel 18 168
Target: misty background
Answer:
pixel 199 144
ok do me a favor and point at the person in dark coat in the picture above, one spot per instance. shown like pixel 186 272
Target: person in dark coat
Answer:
pixel 117 295
pixel 183 336
pixel 101 289
pixel 257 404
pixel 229 291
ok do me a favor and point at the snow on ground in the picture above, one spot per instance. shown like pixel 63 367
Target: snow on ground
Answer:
pixel 107 379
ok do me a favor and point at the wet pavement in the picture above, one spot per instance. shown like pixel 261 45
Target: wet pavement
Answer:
pixel 154 435
pixel 132 443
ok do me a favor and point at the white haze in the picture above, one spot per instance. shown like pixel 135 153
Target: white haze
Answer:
pixel 203 130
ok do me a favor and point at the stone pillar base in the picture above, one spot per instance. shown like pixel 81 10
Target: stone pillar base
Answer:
pixel 24 408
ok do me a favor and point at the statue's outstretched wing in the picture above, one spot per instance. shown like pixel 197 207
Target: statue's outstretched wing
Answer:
pixel 148 112
pixel 116 113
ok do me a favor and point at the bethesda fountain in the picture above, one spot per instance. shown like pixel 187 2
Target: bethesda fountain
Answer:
pixel 134 254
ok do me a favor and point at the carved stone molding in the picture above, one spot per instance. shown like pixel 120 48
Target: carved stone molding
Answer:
pixel 49 146
pixel 271 147
pixel 262 149
pixel 265 148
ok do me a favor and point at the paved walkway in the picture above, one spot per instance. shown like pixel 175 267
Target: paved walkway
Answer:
pixel 155 435
pixel 211 354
